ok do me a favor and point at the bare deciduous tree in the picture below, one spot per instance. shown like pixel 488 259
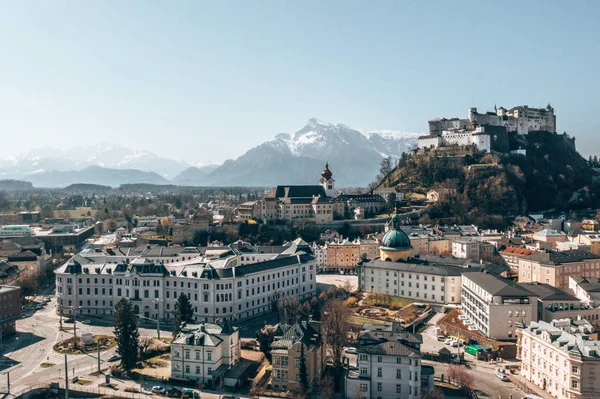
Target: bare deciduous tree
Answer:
pixel 462 378
pixel 145 343
pixel 335 330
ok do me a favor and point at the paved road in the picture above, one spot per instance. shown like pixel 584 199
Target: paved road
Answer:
pixel 24 352
pixel 486 381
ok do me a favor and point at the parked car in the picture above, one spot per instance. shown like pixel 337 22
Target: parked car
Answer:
pixel 351 351
pixel 174 392
pixel 191 394
pixel 448 340
pixel 441 338
pixel 69 320
pixel 47 299
pixel 158 389
pixel 114 358
pixel 85 321
pixel 228 397
pixel 454 343
pixel 502 376
pixel 38 307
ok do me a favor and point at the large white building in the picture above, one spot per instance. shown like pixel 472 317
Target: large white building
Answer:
pixel 497 306
pixel 562 358
pixel 221 283
pixel 521 119
pixel 389 365
pixel 424 278
pixel 205 352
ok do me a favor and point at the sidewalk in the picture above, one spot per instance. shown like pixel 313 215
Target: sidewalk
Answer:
pixel 529 387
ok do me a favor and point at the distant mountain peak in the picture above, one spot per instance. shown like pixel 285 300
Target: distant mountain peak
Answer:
pixel 314 122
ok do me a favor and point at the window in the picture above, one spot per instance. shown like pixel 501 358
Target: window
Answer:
pixel 379 387
pixel 379 372
pixel 208 355
pixel 363 387
pixel 398 388
pixel 379 359
pixel 575 369
pixel 399 374
pixel 363 370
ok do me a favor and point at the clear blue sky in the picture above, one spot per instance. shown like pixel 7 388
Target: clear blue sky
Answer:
pixel 208 80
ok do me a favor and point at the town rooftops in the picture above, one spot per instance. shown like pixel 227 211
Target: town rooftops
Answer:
pixel 307 191
pixel 589 284
pixel 558 257
pixel 496 285
pixel 546 292
pixel 549 233
pixel 206 334
pixel 518 251
pixel 439 265
pixel 567 336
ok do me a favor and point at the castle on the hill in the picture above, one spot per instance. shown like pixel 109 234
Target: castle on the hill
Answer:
pixel 477 128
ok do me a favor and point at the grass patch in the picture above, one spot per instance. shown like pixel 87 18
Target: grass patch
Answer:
pixel 360 320
pixel 390 302
pixel 111 385
pixel 83 382
pixel 66 346
pixel 45 365
pixel 132 389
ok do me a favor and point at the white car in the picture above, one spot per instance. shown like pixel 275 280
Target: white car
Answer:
pixel 159 389
pixel 449 340
pixel 454 343
pixel 351 351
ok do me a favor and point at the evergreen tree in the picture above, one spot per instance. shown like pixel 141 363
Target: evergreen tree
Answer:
pixel 183 312
pixel 126 333
pixel 303 371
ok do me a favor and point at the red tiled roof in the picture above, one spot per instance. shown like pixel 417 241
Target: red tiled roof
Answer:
pixel 518 251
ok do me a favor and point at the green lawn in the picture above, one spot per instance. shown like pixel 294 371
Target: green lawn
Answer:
pixel 396 302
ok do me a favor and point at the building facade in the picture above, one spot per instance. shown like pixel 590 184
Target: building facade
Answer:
pixel 205 352
pixel 496 306
pixel 291 343
pixel 10 309
pixel 221 283
pixel 555 267
pixel 389 365
pixel 561 358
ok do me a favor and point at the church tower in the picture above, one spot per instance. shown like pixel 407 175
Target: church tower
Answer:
pixel 327 181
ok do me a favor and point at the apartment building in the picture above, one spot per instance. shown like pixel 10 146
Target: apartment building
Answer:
pixel 512 255
pixel 562 357
pixel 466 249
pixel 205 352
pixel 389 365
pixel 497 306
pixel 549 236
pixel 291 342
pixel 415 279
pixel 342 256
pixel 555 267
pixel 10 309
pixel 222 283
pixel 590 239
pixel 586 289
pixel 554 303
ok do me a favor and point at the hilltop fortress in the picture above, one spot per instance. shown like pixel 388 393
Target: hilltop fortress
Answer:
pixel 481 130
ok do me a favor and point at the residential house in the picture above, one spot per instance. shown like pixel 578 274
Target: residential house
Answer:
pixel 205 352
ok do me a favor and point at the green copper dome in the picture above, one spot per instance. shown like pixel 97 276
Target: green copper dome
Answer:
pixel 395 239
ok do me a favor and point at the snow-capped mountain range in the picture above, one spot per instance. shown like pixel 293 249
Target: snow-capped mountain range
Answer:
pixel 297 158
